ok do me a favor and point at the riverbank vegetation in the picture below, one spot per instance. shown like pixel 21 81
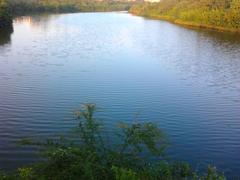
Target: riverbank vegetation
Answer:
pixel 135 152
pixel 34 6
pixel 5 17
pixel 9 8
pixel 223 15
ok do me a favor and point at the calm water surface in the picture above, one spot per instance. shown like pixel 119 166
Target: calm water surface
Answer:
pixel 187 81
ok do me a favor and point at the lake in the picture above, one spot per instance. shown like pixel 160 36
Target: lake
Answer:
pixel 135 69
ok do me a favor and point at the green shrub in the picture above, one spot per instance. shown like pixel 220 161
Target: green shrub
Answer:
pixel 88 155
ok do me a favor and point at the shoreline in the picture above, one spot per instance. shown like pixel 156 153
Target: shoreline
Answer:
pixel 189 24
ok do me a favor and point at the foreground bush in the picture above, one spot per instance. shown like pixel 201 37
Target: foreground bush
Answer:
pixel 136 154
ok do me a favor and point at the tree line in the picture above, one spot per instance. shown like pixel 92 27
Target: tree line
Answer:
pixel 218 14
pixel 31 6
pixel 9 8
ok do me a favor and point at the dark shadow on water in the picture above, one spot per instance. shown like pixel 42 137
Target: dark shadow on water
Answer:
pixel 5 35
pixel 220 37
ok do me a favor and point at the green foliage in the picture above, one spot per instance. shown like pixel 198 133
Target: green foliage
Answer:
pixel 3 6
pixel 212 174
pixel 212 13
pixel 25 173
pixel 89 128
pixel 89 156
pixel 34 6
pixel 124 174
pixel 137 135
pixel 5 17
pixel 2 175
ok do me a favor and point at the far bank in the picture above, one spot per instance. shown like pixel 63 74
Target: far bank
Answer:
pixel 10 8
pixel 224 16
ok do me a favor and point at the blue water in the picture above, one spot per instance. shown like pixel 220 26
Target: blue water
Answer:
pixel 134 69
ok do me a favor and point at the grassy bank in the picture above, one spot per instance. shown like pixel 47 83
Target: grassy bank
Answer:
pixel 135 152
pixel 221 15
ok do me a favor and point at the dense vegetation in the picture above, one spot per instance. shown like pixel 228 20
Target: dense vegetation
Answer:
pixel 215 14
pixel 5 17
pixel 33 6
pixel 9 8
pixel 136 152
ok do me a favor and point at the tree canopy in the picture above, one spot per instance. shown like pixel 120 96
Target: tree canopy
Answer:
pixel 26 6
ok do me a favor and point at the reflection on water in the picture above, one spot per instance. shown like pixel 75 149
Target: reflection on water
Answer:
pixel 5 35
pixel 222 37
pixel 188 81
pixel 35 21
